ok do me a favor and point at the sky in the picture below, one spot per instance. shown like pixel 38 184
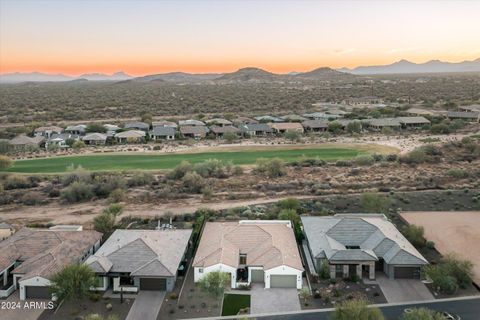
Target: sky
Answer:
pixel 144 37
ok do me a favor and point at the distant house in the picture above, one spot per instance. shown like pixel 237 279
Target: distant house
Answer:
pixel 23 142
pixel 267 119
pixel 162 133
pixel 31 256
pixel 251 251
pixel 79 129
pixel 256 129
pixel 469 116
pixel 321 116
pixel 380 123
pixel 345 122
pixel 363 101
pixel 419 112
pixel 413 122
pixel 244 120
pixel 137 125
pixel 220 131
pixel 190 122
pixel 361 245
pixel 219 122
pixel 130 136
pixel 194 132
pixel 286 126
pixel 46 132
pixel 293 118
pixel 111 127
pixel 60 139
pixel 470 108
pixel 315 125
pixel 6 230
pixel 95 138
pixel 136 260
pixel 164 123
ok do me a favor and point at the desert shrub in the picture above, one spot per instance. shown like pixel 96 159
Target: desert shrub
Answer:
pixel 450 274
pixel 5 162
pixel 16 181
pixel 32 199
pixel 414 157
pixel 343 163
pixel 289 203
pixel 117 195
pixel 457 173
pixel 140 179
pixel 356 309
pixel 292 215
pixel 77 192
pixel 271 168
pixel 335 127
pixel 76 175
pixel 354 127
pixel 440 128
pixel 237 170
pixel 391 157
pixel 77 145
pixel 324 271
pixel 292 135
pixel 230 137
pixel 193 182
pixel 103 185
pixel 376 203
pixel 363 160
pixel 215 282
pixel 180 170
pixel 414 234
pixel 213 168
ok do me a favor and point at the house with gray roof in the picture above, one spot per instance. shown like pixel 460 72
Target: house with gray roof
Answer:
pixel 130 136
pixel 380 123
pixel 315 125
pixel 137 125
pixel 321 116
pixel 470 116
pixel 78 129
pixel 413 122
pixel 95 138
pixel 219 122
pixel 132 260
pixel 191 122
pixel 360 244
pixel 162 133
pixel 194 132
pixel 267 119
pixel 256 129
pixel 220 131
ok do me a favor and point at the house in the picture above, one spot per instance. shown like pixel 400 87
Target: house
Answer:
pixel 132 260
pixel 470 108
pixel 95 138
pixel 6 230
pixel 286 126
pixel 162 133
pixel 164 123
pixel 419 112
pixel 413 122
pixel 79 129
pixel 293 118
pixel 111 127
pixel 47 131
pixel 251 251
pixel 219 122
pixel 23 142
pixel 345 122
pixel 256 129
pixel 60 139
pixel 315 125
pixel 31 256
pixel 220 131
pixel 130 136
pixel 137 125
pixel 191 122
pixel 321 116
pixel 470 116
pixel 244 120
pixel 362 101
pixel 380 123
pixel 361 245
pixel 266 119
pixel 194 132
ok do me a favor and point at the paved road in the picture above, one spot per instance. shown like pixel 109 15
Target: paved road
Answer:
pixel 468 309
pixel 146 306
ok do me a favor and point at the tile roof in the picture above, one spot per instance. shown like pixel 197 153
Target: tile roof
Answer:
pixel 142 252
pixel 287 126
pixel 383 122
pixel 190 122
pixel 137 125
pixel 49 128
pixel 164 123
pixel 95 136
pixel 256 127
pixel 267 244
pixel 194 130
pixel 163 131
pixel 78 127
pixel 219 121
pixel 315 124
pixel 130 134
pixel 45 252
pixel 225 129
pixel 463 114
pixel 413 120
pixel 25 140
pixel 359 237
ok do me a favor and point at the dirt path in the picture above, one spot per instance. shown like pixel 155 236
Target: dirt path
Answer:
pixel 85 212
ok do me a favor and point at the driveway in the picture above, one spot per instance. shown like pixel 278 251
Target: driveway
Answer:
pixel 273 300
pixel 146 306
pixel 22 313
pixel 403 290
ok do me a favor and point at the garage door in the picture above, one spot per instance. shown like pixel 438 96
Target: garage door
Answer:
pixel 153 284
pixel 257 275
pixel 32 292
pixel 283 281
pixel 407 273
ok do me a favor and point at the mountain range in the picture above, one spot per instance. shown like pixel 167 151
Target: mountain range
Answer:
pixel 405 66
pixel 251 74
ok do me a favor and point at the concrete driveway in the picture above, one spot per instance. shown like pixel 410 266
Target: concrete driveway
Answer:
pixel 21 313
pixel 273 300
pixel 403 290
pixel 146 306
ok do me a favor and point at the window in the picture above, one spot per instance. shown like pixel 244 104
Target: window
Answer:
pixel 338 267
pixel 200 270
pixel 243 259
pixel 126 281
pixel 352 247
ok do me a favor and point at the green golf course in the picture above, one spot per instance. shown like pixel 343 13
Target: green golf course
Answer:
pixel 151 161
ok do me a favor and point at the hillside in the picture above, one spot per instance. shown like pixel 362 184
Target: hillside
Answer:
pixel 250 74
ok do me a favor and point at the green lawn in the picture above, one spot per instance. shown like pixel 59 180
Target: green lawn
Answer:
pixel 105 162
pixel 232 303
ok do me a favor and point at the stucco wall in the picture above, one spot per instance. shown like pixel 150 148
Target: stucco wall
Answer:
pixel 197 276
pixel 35 281
pixel 283 270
